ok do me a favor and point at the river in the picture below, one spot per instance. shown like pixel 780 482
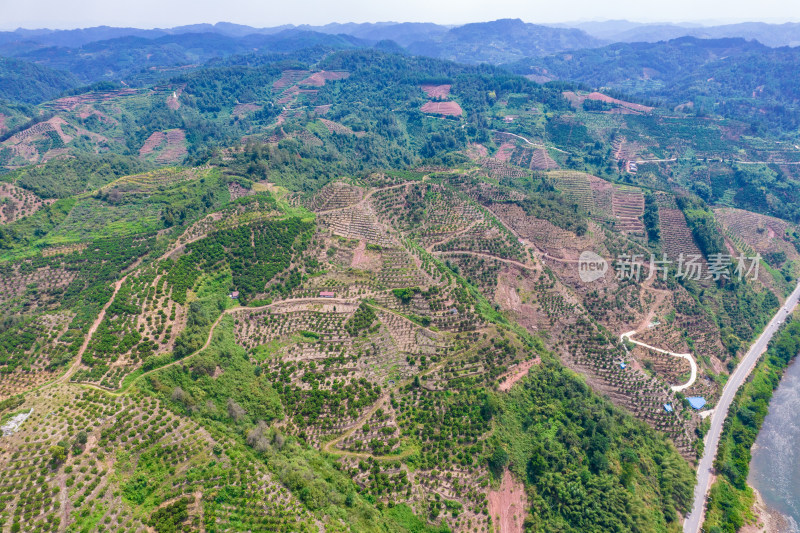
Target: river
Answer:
pixel 775 465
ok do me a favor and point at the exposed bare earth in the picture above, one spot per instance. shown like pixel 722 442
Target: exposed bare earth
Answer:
pixel 443 108
pixel 517 373
pixel 577 99
pixel 437 91
pixel 508 506
pixel 244 109
pixel 476 151
pixel 767 520
pixel 154 141
pixel 318 79
pixel 504 151
pixel 69 103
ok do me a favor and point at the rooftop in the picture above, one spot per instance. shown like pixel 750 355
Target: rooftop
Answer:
pixel 696 402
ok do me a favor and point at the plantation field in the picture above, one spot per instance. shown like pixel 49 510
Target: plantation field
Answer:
pixel 443 108
pixel 290 292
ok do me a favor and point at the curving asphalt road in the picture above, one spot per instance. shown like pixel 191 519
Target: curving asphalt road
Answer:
pixel 694 521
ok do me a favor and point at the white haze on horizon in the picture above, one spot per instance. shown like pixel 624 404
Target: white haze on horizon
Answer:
pixel 66 14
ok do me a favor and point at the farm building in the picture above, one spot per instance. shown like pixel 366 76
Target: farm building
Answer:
pixel 327 294
pixel 234 295
pixel 697 402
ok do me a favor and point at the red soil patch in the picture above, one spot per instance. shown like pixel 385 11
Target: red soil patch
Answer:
pixel 541 160
pixel 604 98
pixel 23 142
pixel 362 258
pixel 576 100
pixel 55 124
pixel 517 373
pixel 508 506
pixel 154 141
pixel 318 79
pixel 443 108
pixel 175 150
pixel 87 111
pixel 573 98
pixel 437 91
pixel 244 109
pixel 69 103
pixel 504 152
pixel 476 151
pixel 289 77
pixel 172 100
pixel 171 146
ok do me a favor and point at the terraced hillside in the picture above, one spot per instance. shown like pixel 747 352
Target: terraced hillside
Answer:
pixel 357 326
pixel 299 295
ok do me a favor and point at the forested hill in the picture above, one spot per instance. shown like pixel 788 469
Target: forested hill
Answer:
pixel 142 57
pixel 730 77
pixel 659 63
pixel 139 61
pixel 30 83
pixel 501 41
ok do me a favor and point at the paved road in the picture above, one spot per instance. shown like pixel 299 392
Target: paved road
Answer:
pixel 694 521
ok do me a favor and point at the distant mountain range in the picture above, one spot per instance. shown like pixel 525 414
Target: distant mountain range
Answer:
pixel 624 31
pixel 408 33
pixel 137 57
pixel 733 77
pixel 502 41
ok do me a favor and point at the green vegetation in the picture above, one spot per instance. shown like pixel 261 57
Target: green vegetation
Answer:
pixel 362 319
pixel 31 83
pixel 704 228
pixel 62 178
pixel 255 253
pixel 590 467
pixel 217 204
pixel 650 217
pixel 405 295
pixel 731 498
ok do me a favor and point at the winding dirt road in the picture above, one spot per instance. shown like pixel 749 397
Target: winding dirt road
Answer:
pixel 77 362
pixel 687 356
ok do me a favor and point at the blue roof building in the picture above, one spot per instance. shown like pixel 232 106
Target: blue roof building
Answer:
pixel 668 407
pixel 696 402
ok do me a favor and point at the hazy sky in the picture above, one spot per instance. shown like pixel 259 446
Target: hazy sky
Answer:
pixel 166 13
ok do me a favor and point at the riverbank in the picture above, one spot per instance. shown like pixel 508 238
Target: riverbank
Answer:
pixel 732 503
pixel 712 443
pixel 767 519
pixel 775 464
